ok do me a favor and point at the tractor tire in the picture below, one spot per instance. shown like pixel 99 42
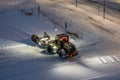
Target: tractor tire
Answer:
pixel 62 54
pixel 50 49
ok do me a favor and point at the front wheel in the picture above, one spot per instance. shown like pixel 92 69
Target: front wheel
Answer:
pixel 50 49
pixel 62 54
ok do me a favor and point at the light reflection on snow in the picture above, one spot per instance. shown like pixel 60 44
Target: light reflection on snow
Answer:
pixel 73 71
pixel 78 70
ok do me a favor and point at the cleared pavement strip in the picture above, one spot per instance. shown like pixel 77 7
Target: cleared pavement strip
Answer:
pixel 103 59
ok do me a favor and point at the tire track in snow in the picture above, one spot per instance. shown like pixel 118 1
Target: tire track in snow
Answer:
pixel 5 58
pixel 12 33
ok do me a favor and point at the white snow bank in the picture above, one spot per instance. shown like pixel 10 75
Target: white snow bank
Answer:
pixel 5 44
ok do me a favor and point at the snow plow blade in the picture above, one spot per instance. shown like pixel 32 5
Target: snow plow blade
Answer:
pixel 35 39
pixel 42 41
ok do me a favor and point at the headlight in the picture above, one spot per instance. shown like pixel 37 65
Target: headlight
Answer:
pixel 51 44
pixel 39 43
pixel 54 47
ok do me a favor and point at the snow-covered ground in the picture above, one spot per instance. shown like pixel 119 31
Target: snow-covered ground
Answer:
pixel 97 41
pixel 115 4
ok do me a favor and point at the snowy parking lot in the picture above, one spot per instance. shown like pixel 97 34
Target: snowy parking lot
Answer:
pixel 97 41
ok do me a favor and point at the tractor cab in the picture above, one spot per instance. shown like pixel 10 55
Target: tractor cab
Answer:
pixel 63 37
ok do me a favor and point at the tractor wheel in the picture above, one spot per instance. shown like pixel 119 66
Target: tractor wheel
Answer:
pixel 50 49
pixel 62 54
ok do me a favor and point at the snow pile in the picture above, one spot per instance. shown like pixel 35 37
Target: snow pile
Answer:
pixel 5 44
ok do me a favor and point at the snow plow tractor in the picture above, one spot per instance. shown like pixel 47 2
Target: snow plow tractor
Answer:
pixel 60 45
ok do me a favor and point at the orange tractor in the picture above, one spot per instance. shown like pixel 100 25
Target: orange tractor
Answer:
pixel 61 45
